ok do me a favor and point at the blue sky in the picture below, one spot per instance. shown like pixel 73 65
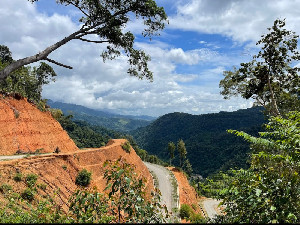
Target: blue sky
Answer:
pixel 203 38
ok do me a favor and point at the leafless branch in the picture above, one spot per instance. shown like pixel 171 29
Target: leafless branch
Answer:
pixel 59 64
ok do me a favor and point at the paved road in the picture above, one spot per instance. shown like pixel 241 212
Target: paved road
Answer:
pixel 164 183
pixel 210 206
pixel 9 157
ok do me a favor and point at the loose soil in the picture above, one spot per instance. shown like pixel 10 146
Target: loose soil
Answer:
pixel 58 171
pixel 25 129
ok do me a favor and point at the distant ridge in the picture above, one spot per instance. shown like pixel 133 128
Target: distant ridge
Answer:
pixel 210 148
pixel 108 120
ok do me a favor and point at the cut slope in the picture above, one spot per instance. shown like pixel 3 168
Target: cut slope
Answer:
pixel 187 194
pixel 59 171
pixel 25 128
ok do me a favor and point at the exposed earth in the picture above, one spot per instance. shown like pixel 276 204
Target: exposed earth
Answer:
pixel 25 129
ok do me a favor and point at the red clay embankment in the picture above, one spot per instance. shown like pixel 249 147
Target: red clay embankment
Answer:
pixel 59 171
pixel 25 128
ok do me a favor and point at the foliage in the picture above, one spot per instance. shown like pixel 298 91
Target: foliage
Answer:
pixel 98 118
pixel 45 212
pixel 126 147
pixel 270 78
pixel 31 179
pixel 89 207
pixel 28 194
pixel 214 186
pixel 127 196
pixel 107 21
pixel 269 191
pixel 182 151
pixel 171 149
pixel 209 147
pixel 185 211
pixel 5 188
pixel 83 178
pixel 187 167
pixel 18 177
pixel 25 81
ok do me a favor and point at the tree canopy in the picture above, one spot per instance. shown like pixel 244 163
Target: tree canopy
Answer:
pixel 271 77
pixel 106 19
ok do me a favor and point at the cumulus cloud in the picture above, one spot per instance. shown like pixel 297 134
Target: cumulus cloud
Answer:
pixel 242 20
pixel 99 85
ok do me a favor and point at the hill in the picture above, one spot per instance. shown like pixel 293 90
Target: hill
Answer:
pixel 24 128
pixel 100 118
pixel 210 148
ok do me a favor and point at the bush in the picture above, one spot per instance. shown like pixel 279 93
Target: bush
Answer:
pixel 185 211
pixel 42 187
pixel 197 218
pixel 27 194
pixel 31 179
pixel 126 147
pixel 4 188
pixel 83 178
pixel 18 177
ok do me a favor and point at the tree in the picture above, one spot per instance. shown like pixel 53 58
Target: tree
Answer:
pixel 106 19
pixel 269 191
pixel 25 81
pixel 127 195
pixel 171 149
pixel 182 151
pixel 187 167
pixel 270 78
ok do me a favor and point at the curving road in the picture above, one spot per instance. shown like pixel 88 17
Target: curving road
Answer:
pixel 210 206
pixel 164 183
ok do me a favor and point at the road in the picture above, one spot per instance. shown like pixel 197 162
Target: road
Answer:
pixel 164 183
pixel 10 157
pixel 210 206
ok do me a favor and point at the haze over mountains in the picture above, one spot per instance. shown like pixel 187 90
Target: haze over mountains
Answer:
pixel 106 119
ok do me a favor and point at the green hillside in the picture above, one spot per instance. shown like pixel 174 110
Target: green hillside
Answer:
pixel 210 148
pixel 99 118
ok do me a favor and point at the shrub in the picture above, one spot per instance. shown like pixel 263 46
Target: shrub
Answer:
pixel 4 188
pixel 64 167
pixel 197 218
pixel 31 179
pixel 126 147
pixel 18 177
pixel 27 194
pixel 83 178
pixel 185 211
pixel 42 187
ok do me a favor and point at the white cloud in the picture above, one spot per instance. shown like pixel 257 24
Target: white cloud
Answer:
pixel 99 85
pixel 241 20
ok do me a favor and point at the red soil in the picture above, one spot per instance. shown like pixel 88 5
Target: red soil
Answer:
pixel 59 171
pixel 187 194
pixel 24 127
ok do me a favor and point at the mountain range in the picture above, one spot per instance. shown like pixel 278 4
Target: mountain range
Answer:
pixel 210 147
pixel 106 119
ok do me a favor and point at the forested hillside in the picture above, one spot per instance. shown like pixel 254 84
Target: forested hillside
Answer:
pixel 100 118
pixel 209 147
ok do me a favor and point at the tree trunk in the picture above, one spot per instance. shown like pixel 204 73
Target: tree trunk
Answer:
pixel 35 58
pixel 273 100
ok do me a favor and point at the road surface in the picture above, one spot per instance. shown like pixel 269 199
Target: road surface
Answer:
pixel 210 206
pixel 164 183
pixel 10 157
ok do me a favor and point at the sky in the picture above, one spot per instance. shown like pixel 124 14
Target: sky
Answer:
pixel 203 39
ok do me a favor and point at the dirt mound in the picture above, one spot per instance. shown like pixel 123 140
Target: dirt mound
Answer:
pixel 24 128
pixel 58 171
pixel 187 194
